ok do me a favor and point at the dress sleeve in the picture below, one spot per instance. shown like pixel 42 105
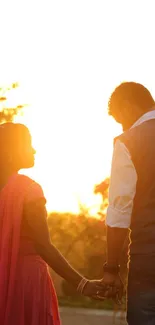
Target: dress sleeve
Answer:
pixel 34 193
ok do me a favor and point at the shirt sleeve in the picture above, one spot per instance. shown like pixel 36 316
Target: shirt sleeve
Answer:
pixel 122 188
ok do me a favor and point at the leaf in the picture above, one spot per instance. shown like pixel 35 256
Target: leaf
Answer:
pixel 7 114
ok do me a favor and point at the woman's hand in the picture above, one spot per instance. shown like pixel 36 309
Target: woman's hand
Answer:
pixel 110 287
pixel 94 289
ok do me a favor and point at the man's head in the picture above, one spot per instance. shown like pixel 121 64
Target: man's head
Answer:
pixel 128 102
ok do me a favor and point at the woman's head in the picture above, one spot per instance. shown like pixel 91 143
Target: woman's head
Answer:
pixel 128 102
pixel 16 151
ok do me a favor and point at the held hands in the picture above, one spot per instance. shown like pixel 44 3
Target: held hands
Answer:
pixel 110 287
pixel 113 283
pixel 92 288
pixel 115 287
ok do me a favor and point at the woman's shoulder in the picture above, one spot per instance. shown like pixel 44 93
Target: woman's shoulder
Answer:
pixel 34 191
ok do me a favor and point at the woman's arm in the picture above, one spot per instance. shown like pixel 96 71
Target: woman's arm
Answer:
pixel 36 217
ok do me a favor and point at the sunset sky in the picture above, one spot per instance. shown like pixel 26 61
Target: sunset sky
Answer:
pixel 68 56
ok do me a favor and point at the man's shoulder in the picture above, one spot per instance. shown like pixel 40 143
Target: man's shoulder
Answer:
pixel 143 128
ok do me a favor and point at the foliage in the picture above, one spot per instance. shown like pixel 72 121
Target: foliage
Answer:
pixel 7 114
pixel 102 189
pixel 75 235
pixel 82 241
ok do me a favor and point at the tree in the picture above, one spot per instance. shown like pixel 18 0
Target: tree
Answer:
pixel 7 114
pixel 81 239
pixel 102 189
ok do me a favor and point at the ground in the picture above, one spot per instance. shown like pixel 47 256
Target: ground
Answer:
pixel 77 316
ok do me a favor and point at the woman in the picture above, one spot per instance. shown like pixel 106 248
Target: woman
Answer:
pixel 27 296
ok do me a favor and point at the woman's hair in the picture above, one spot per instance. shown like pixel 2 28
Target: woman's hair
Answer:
pixel 12 135
pixel 133 93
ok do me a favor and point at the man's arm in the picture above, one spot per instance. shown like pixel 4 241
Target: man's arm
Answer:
pixel 115 242
pixel 121 195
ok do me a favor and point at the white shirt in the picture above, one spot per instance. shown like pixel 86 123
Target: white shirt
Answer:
pixel 123 182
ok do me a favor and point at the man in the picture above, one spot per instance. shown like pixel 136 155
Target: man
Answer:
pixel 132 199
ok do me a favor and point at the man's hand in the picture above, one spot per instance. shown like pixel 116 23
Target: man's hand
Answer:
pixel 115 287
pixel 110 287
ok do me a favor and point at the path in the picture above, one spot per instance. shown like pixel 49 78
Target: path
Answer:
pixel 78 316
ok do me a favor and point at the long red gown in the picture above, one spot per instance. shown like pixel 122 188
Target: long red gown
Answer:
pixel 27 295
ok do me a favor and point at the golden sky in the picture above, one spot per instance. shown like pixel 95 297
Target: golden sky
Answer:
pixel 68 56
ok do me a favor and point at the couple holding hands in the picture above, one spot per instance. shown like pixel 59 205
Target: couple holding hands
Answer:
pixel 27 293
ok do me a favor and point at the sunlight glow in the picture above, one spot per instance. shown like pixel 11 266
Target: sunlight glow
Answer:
pixel 68 56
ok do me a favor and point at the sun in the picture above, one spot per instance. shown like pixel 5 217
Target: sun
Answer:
pixel 69 70
pixel 69 164
pixel 72 155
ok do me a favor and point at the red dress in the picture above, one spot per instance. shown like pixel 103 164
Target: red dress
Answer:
pixel 27 295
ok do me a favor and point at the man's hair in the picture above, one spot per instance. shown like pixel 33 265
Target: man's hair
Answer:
pixel 133 93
